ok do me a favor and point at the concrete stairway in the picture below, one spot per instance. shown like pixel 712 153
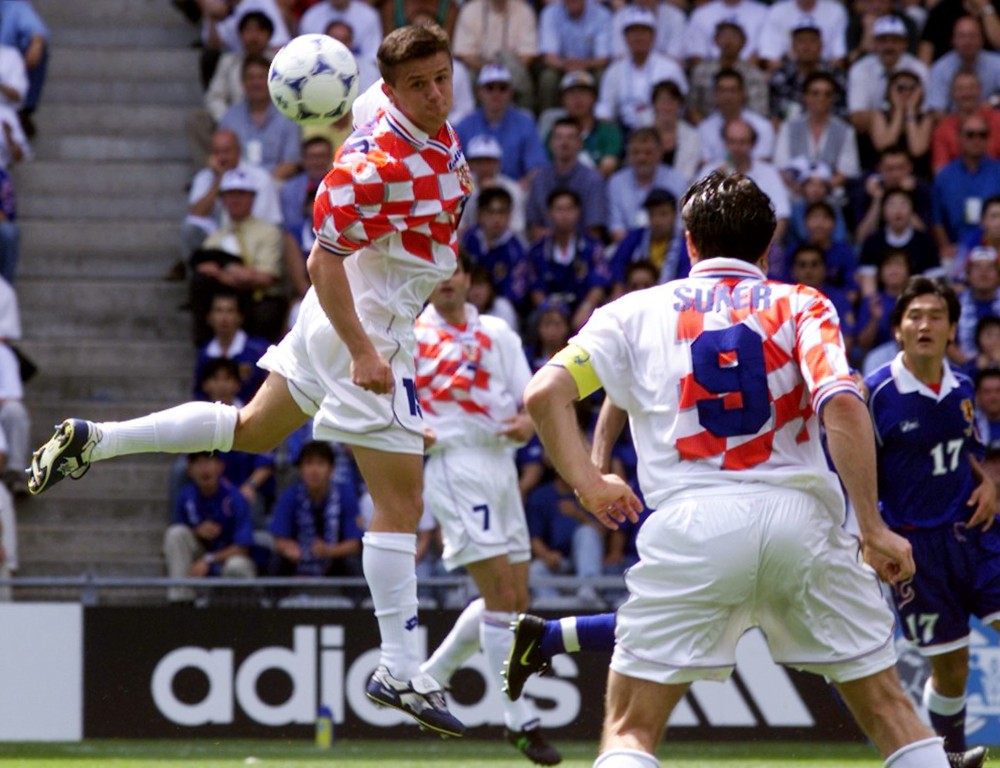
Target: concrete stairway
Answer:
pixel 100 209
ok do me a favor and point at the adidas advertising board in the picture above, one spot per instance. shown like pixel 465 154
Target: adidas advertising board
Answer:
pixel 71 672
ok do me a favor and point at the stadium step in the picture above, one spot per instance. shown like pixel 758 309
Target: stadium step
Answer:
pixel 125 309
pixel 151 120
pixel 45 177
pixel 100 542
pixel 139 63
pixel 183 92
pixel 52 240
pixel 63 356
pixel 99 147
pixel 124 14
pixel 129 37
pixel 138 205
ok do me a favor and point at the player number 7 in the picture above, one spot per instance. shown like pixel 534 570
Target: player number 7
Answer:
pixel 484 508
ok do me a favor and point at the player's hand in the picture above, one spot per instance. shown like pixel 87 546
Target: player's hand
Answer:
pixel 889 554
pixel 612 501
pixel 984 499
pixel 373 373
pixel 518 428
pixel 430 437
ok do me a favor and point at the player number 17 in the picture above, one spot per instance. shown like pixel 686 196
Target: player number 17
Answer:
pixel 946 456
pixel 922 627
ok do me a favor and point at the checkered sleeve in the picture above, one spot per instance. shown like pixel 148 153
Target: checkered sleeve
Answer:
pixel 361 199
pixel 820 348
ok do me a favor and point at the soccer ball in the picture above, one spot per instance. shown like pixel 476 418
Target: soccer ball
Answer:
pixel 313 79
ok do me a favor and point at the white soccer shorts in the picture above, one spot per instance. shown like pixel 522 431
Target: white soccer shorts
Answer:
pixel 713 564
pixel 317 365
pixel 473 493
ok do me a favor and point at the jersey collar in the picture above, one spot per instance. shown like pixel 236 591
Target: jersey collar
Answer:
pixel 725 267
pixel 907 383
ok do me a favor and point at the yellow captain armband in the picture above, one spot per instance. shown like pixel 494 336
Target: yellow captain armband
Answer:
pixel 576 362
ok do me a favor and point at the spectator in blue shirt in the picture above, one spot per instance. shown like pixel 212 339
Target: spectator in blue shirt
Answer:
pixel 566 265
pixel 512 126
pixel 962 186
pixel 492 245
pixel 24 29
pixel 573 35
pixel 211 531
pixel 566 171
pixel 658 243
pixel 269 139
pixel 230 341
pixel 314 526
pixel 10 233
pixel 297 195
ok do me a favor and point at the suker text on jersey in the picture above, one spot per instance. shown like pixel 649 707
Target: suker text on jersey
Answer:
pixel 719 297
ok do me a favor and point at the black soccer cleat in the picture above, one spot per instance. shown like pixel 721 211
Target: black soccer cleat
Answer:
pixel 971 758
pixel 66 454
pixel 534 746
pixel 421 698
pixel 525 657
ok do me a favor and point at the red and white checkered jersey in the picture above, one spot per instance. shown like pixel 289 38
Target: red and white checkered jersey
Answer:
pixel 469 379
pixel 723 374
pixel 391 204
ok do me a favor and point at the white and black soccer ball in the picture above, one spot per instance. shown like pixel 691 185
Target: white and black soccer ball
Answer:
pixel 313 79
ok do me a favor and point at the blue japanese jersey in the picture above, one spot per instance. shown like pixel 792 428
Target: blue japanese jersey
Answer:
pixel 298 517
pixel 924 440
pixel 227 507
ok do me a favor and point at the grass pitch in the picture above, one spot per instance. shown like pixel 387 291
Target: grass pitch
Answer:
pixel 411 754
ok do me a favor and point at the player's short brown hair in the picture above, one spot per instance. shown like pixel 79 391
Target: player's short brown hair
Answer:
pixel 727 214
pixel 407 44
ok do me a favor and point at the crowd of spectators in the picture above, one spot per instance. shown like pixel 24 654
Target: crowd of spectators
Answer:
pixel 869 123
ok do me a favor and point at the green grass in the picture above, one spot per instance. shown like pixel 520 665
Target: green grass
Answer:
pixel 410 754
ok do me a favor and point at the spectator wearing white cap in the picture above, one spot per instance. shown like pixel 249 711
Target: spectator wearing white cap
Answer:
pixel 245 255
pixel 513 127
pixel 484 155
pixel 670 28
pixel 805 56
pixel 967 55
pixel 205 211
pixel 699 37
pixel 829 16
pixel 861 27
pixel 505 31
pixel 573 35
pixel 730 41
pixel 627 86
pixel 818 135
pixel 868 78
pixel 602 139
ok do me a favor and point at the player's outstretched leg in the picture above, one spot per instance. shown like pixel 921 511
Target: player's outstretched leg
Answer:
pixel 66 454
pixel 971 758
pixel 526 658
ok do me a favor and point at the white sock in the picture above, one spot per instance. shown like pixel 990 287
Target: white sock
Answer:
pixel 941 705
pixel 389 562
pixel 458 646
pixel 571 642
pixel 626 758
pixel 186 428
pixel 497 640
pixel 926 753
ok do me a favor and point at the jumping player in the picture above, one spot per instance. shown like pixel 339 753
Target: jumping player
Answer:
pixel 385 218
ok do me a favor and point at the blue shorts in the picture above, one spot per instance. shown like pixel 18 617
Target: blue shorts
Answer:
pixel 958 576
